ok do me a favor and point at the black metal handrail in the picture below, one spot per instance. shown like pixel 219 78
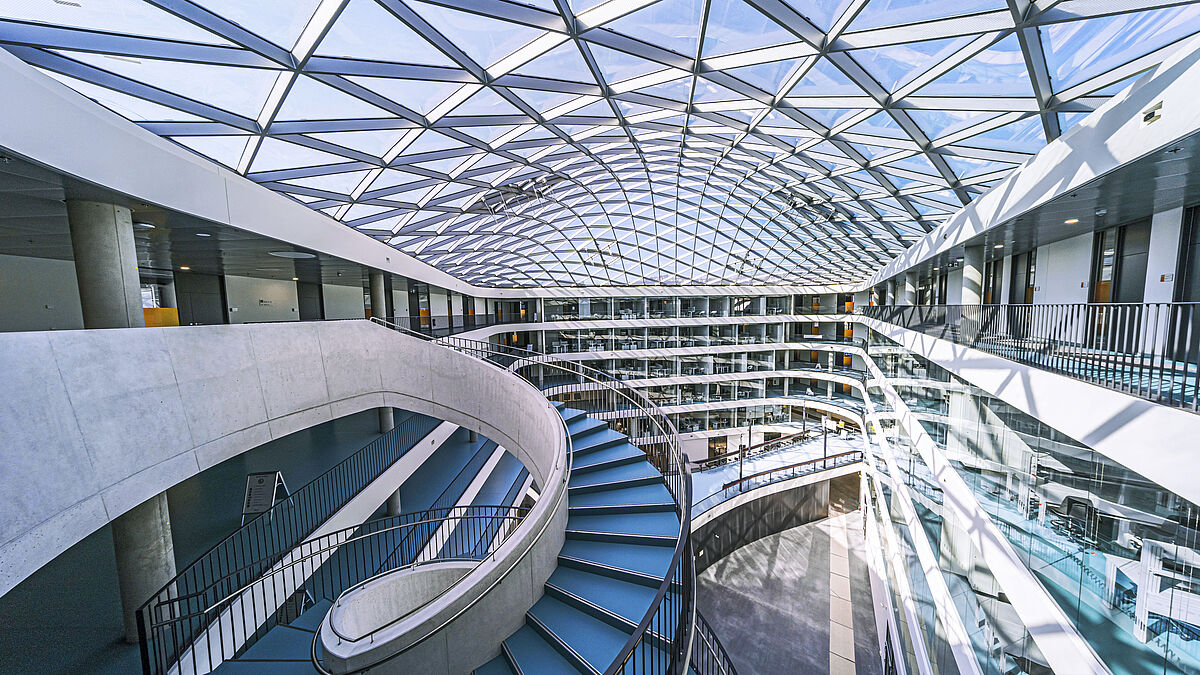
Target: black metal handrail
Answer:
pixel 653 432
pixel 708 654
pixel 1146 350
pixel 221 622
pixel 254 547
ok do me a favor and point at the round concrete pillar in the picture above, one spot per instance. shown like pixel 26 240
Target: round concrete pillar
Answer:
pixel 378 296
pixel 110 293
pixel 145 556
pixel 393 507
pixel 972 279
pixel 387 419
pixel 911 281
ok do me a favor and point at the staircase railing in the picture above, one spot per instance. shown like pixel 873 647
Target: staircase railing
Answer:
pixel 1146 350
pixel 254 548
pixel 245 605
pixel 708 654
pixel 662 641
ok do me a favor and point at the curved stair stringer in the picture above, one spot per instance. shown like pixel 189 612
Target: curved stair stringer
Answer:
pixel 621 533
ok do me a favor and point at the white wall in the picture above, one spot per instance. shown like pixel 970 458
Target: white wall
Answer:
pixel 253 300
pixel 1063 269
pixel 38 294
pixel 1162 261
pixel 343 302
pixel 400 297
pixel 439 303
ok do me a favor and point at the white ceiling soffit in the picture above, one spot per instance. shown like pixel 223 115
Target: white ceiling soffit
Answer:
pixel 612 143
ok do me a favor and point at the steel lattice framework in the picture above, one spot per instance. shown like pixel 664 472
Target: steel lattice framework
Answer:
pixel 618 142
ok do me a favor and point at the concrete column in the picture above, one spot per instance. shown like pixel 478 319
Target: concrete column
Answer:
pixel 911 281
pixel 145 556
pixel 890 297
pixel 378 296
pixel 167 293
pixel 393 507
pixel 972 280
pixel 387 419
pixel 110 293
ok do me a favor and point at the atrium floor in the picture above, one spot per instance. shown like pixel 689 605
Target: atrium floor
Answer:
pixel 797 602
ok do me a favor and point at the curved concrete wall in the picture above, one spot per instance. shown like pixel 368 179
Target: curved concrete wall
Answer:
pixel 95 422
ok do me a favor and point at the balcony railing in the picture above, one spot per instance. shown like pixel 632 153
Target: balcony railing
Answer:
pixel 1146 350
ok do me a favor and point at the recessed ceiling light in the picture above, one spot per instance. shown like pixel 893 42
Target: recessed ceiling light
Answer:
pixel 294 255
pixel 295 278
pixel 184 268
pixel 998 246
pixel 958 260
pixel 203 234
pixel 144 226
pixel 1070 221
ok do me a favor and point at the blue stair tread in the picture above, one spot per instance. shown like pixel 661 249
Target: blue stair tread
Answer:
pixel 281 642
pixel 497 666
pixel 600 436
pixel 558 405
pixel 569 414
pixel 626 600
pixel 532 654
pixel 615 474
pixel 614 453
pixel 304 667
pixel 312 617
pixel 582 425
pixel 638 494
pixel 596 642
pixel 655 523
pixel 644 559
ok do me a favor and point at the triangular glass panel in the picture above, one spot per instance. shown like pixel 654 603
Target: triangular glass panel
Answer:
pixel 822 14
pixel 938 123
pixel 338 183
pixel 1026 136
pixel 670 24
pixel 768 77
pixel 676 90
pixel 734 26
pixel 618 66
pixel 374 143
pixel 894 65
pixel 829 117
pixel 442 165
pixel 309 99
pixel 564 62
pixel 486 134
pixel 879 124
pixel 825 79
pixel 1068 120
pixel 129 107
pixel 124 17
pixel 708 91
pixel 540 100
pixel 280 21
pixel 431 141
pixel 365 30
pixel 998 70
pixel 274 155
pixel 485 39
pixel 966 167
pixel 485 102
pixel 882 13
pixel 421 96
pixel 239 90
pixel 1079 50
pixel 226 150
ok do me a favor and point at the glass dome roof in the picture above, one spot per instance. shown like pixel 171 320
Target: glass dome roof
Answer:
pixel 618 142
